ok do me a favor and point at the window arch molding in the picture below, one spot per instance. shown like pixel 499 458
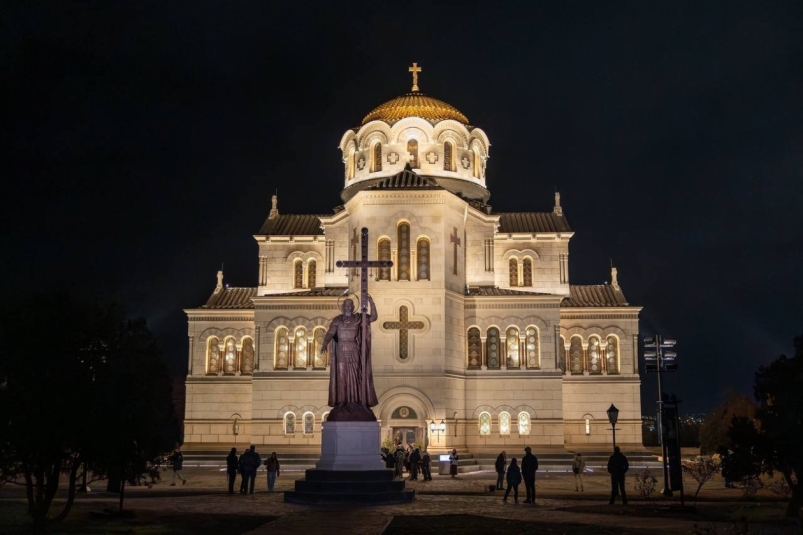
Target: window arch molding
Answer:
pixel 403 250
pixel 576 363
pixel 484 422
pixel 612 355
pixel 281 348
pixel 474 343
pixel 504 423
pixel 308 423
pixel 423 258
pixel 493 355
pixel 289 423
pixel 594 355
pixel 213 355
pixel 524 423
pixel 231 355
pixel 247 354
pixel 384 251
pixel 532 346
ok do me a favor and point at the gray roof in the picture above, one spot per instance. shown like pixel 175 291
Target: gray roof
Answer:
pixel 406 179
pixel 231 298
pixel 489 291
pixel 292 225
pixel 312 292
pixel 594 295
pixel 515 222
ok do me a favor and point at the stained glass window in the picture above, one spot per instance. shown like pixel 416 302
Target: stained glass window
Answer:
pixel 527 269
pixel 513 267
pixel 282 351
pixel 320 360
pixel 531 344
pixel 504 423
pixel 576 354
pixel 524 423
pixel 562 355
pixel 289 423
pixel 384 254
pixel 612 355
pixel 412 149
pixel 474 348
pixel 309 423
pixel 213 356
pixel 448 158
pixel 513 345
pixel 423 259
pixel 594 357
pixel 312 266
pixel 404 252
pixel 377 157
pixel 298 274
pixel 248 356
pixel 485 424
pixel 301 348
pixel 492 348
pixel 230 360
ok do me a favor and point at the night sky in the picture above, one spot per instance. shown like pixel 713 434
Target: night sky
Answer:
pixel 142 142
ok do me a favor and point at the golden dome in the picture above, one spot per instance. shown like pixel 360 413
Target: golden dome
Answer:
pixel 415 104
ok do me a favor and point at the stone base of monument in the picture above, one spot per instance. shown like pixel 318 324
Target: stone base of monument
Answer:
pixel 350 470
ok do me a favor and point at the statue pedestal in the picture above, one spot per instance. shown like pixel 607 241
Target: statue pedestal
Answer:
pixel 350 470
pixel 350 446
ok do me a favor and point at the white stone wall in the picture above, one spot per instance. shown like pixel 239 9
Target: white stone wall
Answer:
pixel 278 254
pixel 545 254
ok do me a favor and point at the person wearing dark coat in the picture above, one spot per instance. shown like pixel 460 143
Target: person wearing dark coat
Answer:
pixel 249 464
pixel 177 458
pixel 415 459
pixel 529 465
pixel 617 467
pixel 513 480
pixel 389 458
pixel 454 460
pixel 231 468
pixel 272 466
pixel 425 462
pixel 500 471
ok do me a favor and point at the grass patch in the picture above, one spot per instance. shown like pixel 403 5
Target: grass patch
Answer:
pixel 462 524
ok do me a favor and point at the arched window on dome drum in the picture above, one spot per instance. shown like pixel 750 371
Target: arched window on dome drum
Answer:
pixel 474 349
pixel 485 424
pixel 527 269
pixel 531 344
pixel 282 350
pixel 422 258
pixel 448 156
pixel 404 251
pixel 594 356
pixel 612 355
pixel 476 164
pixel 247 366
pixel 513 266
pixel 524 423
pixel 230 357
pixel 412 149
pixel 492 345
pixel 319 360
pixel 376 155
pixel 513 347
pixel 298 274
pixel 576 355
pixel 312 266
pixel 384 254
pixel 213 356
pixel 562 355
pixel 301 349
pixel 350 164
pixel 504 423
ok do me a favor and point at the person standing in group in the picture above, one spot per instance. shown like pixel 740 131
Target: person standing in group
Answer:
pixel 415 460
pixel 617 467
pixel 578 467
pixel 453 459
pixel 231 469
pixel 425 469
pixel 177 459
pixel 500 471
pixel 513 480
pixel 399 462
pixel 249 463
pixel 529 465
pixel 272 465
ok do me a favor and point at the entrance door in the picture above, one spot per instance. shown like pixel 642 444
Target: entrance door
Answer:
pixel 405 435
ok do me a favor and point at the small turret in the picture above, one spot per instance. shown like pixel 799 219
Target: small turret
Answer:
pixel 558 209
pixel 219 286
pixel 614 278
pixel 274 210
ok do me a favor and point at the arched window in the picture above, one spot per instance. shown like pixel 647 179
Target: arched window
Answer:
pixel 448 156
pixel 485 424
pixel 248 356
pixel 474 348
pixel 376 154
pixel 384 254
pixel 300 348
pixel 476 163
pixel 309 423
pixel 230 357
pixel 527 269
pixel 532 345
pixel 213 356
pixel 422 257
pixel 576 354
pixel 350 164
pixel 298 274
pixel 513 346
pixel 282 350
pixel 513 266
pixel 404 251
pixel 319 360
pixel 289 423
pixel 312 266
pixel 562 355
pixel 412 148
pixel 594 356
pixel 325 416
pixel 492 348
pixel 504 423
pixel 612 355
pixel 524 423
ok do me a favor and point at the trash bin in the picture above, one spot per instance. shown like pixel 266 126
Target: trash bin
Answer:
pixel 443 465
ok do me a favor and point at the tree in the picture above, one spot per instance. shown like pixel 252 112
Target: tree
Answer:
pixel 701 470
pixel 714 430
pixel 73 375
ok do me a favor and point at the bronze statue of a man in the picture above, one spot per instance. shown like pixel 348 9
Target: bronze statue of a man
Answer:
pixel 351 380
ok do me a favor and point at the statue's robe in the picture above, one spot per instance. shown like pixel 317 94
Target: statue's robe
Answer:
pixel 366 377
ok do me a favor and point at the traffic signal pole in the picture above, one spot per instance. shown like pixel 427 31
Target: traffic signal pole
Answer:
pixel 659 354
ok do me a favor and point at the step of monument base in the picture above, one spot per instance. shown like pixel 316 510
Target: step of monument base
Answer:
pixel 349 486
pixel 366 498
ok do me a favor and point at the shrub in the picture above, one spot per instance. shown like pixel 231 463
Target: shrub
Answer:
pixel 645 483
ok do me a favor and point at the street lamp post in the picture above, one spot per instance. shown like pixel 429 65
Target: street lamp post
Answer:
pixel 613 417
pixel 437 429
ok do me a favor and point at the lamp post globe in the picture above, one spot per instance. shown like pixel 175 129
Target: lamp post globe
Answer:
pixel 613 417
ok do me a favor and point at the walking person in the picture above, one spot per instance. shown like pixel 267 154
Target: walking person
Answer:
pixel 231 469
pixel 500 471
pixel 272 466
pixel 513 480
pixel 415 459
pixel 453 461
pixel 578 467
pixel 177 459
pixel 617 467
pixel 425 469
pixel 529 465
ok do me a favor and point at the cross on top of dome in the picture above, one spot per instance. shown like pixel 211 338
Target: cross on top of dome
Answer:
pixel 415 69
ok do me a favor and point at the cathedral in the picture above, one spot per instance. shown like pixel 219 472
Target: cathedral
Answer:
pixel 482 343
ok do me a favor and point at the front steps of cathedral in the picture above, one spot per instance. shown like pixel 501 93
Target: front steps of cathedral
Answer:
pixel 375 487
